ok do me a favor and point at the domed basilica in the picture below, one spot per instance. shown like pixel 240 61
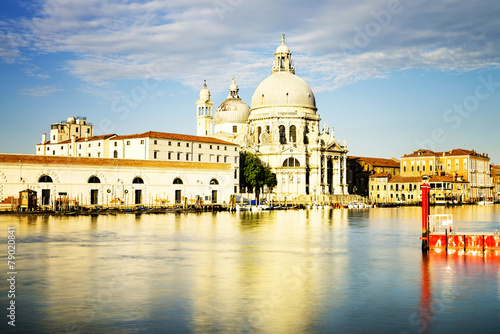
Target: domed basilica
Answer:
pixel 282 127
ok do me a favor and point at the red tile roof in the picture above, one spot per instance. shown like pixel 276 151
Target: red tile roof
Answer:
pixel 381 175
pixel 378 162
pixel 454 152
pixel 402 179
pixel 61 160
pixel 175 136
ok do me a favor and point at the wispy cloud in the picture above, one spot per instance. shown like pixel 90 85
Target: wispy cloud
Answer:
pixel 335 43
pixel 41 91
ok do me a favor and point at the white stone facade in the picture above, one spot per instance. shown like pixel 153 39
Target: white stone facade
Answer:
pixel 112 182
pixel 283 128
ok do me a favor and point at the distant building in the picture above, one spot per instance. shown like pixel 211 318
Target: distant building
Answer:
pixel 495 176
pixel 407 189
pixel 462 165
pixel 359 170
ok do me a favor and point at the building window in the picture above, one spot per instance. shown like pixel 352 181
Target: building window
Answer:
pixel 293 134
pixel 236 149
pixel 217 147
pixel 169 143
pixel 235 160
pixel 53 137
pixel 218 158
pixel 236 173
pixel 259 131
pixel 115 154
pixel 187 156
pixel 155 142
pixel 378 187
pixel 199 157
pixel 423 168
pixel 116 143
pixel 291 162
pixel 169 155
pixel 94 179
pixel 282 134
pixel 210 146
pixel 48 148
pixel 128 142
pixel 79 146
pixel 45 179
pixel 98 154
pixel 76 129
pixel 178 143
pixel 39 149
pixel 89 155
pixel 430 168
pixel 178 181
pixel 225 159
pixel 412 168
pixel 187 144
pixel 404 168
pixel 235 129
pixel 178 156
pixel 199 145
pixel 155 155
pixel 142 141
pixel 214 182
pixel 89 145
pixel 98 144
pixel 225 148
pixel 138 180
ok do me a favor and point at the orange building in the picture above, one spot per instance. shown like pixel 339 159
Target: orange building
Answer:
pixel 495 177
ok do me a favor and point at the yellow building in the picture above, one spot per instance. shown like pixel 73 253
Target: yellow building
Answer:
pixel 462 165
pixel 385 188
pixel 495 176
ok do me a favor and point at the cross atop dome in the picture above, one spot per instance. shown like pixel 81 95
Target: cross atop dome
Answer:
pixel 283 59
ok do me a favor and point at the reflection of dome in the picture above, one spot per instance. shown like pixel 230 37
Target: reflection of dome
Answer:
pixel 233 110
pixel 71 120
pixel 283 89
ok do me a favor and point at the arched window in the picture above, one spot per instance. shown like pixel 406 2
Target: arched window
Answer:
pixel 259 131
pixel 291 162
pixel 115 154
pixel 214 181
pixel 94 179
pixel 178 181
pixel 138 180
pixel 282 134
pixel 45 179
pixel 293 134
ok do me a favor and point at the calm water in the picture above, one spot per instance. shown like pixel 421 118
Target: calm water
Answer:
pixel 336 271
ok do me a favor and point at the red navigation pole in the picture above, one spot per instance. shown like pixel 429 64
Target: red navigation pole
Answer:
pixel 425 215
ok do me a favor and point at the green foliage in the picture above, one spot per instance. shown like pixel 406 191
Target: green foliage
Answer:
pixel 254 174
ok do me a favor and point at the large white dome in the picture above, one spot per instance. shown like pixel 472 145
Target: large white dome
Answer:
pixel 283 89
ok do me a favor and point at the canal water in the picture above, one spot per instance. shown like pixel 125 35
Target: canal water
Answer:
pixel 316 271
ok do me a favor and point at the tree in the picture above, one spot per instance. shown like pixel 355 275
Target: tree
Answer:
pixel 254 174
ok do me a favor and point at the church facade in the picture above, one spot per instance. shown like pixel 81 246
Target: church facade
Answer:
pixel 282 127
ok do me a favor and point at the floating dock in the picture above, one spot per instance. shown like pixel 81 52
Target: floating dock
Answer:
pixel 438 232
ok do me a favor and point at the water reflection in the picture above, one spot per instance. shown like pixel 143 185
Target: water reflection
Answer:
pixel 320 271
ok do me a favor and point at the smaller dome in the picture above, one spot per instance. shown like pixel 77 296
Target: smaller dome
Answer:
pixel 232 111
pixel 71 120
pixel 282 49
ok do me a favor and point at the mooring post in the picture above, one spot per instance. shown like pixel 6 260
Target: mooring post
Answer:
pixel 425 215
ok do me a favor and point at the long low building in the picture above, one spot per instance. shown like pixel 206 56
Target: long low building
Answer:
pixel 109 181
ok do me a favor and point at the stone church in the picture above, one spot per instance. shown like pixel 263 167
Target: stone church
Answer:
pixel 282 127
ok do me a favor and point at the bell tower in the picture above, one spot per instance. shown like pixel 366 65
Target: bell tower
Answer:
pixel 204 112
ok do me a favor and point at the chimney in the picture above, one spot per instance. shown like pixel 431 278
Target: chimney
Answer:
pixel 73 147
pixel 44 138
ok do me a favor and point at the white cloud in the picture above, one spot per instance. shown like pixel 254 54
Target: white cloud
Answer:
pixel 40 91
pixel 334 43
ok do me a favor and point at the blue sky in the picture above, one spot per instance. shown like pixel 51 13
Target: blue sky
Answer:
pixel 389 76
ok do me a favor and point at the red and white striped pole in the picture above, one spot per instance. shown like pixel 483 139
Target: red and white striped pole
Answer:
pixel 425 215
